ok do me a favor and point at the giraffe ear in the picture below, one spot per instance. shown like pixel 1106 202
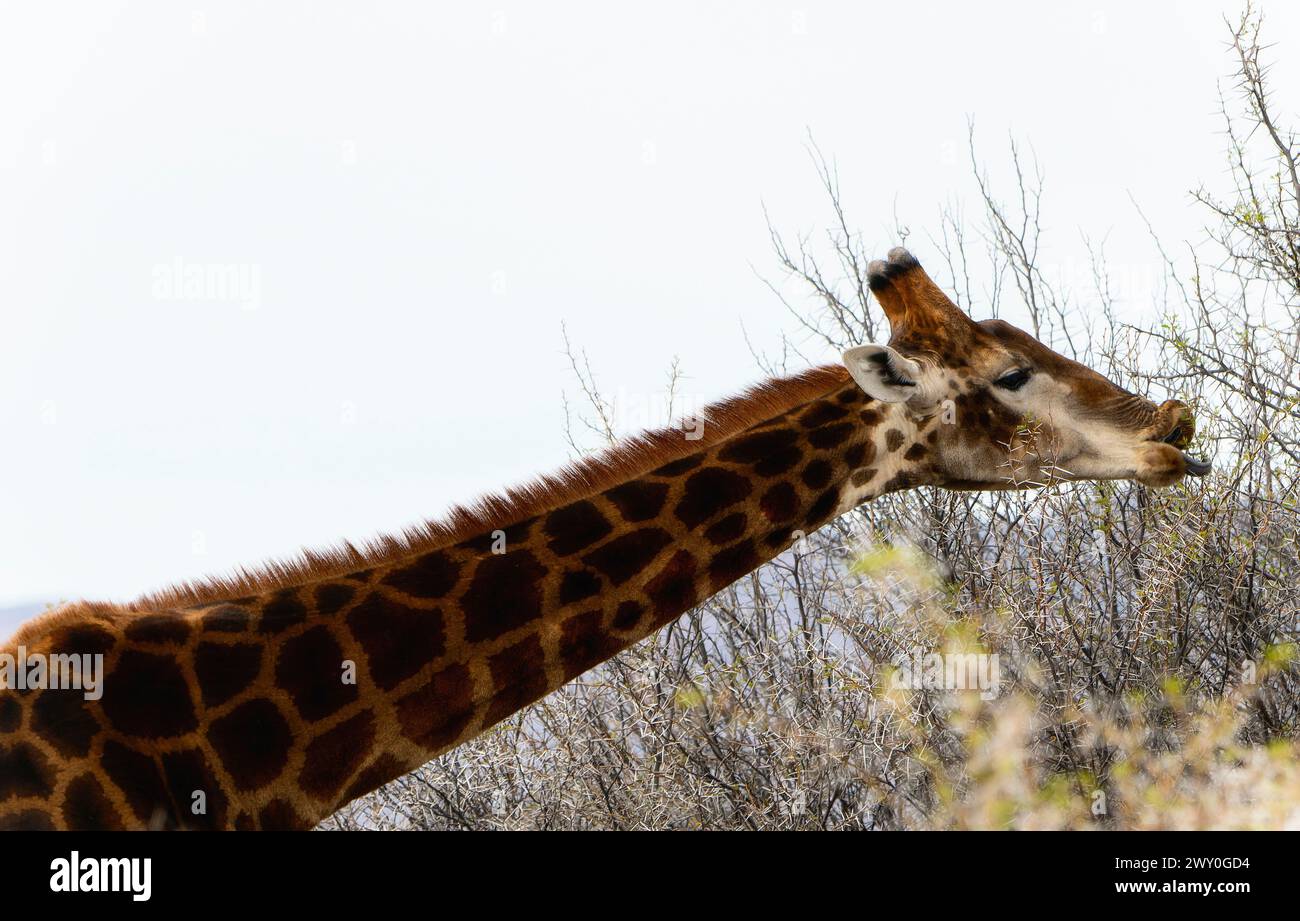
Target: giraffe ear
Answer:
pixel 883 373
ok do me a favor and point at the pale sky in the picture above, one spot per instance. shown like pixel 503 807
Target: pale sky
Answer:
pixel 414 197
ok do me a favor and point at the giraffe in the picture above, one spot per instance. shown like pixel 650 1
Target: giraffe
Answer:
pixel 271 699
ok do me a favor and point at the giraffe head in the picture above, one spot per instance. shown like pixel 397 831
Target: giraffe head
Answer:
pixel 997 409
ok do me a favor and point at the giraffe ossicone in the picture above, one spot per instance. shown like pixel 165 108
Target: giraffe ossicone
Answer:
pixel 272 699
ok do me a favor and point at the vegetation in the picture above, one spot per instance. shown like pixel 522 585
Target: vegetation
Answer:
pixel 1145 640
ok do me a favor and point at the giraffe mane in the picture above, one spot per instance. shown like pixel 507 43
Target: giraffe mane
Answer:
pixel 578 479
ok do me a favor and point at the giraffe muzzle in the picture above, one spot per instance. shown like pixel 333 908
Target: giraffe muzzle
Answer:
pixel 1181 436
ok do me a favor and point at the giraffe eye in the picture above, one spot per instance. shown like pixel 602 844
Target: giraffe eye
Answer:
pixel 1013 380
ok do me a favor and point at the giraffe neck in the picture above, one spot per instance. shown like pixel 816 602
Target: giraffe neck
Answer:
pixel 282 706
pixel 462 637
